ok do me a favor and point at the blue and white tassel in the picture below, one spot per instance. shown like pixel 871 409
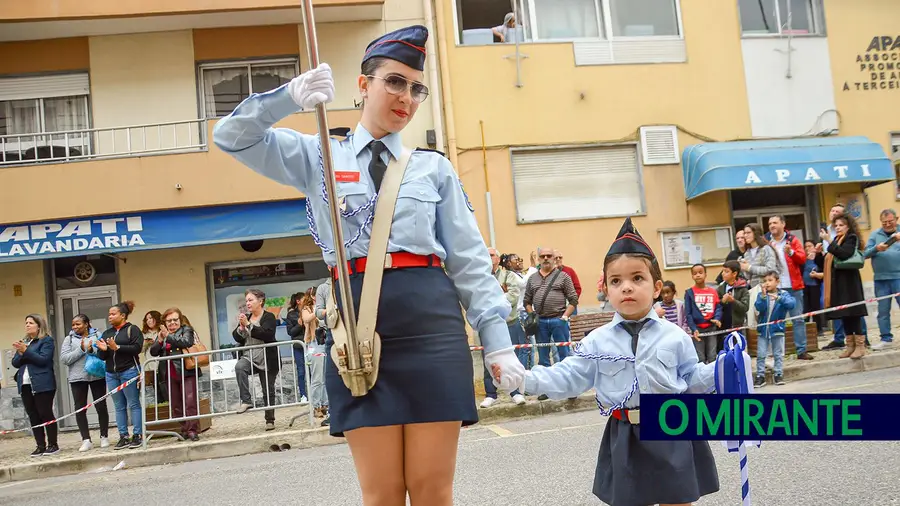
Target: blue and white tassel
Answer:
pixel 734 376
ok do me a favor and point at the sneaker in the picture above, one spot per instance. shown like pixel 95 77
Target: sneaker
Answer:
pixel 759 382
pixel 880 345
pixel 779 379
pixel 804 356
pixel 303 399
pixel 193 436
pixel 519 399
pixel 542 397
pixel 488 402
pixel 104 442
pixel 51 450
pixel 123 443
pixel 833 345
pixel 136 441
pixel 270 426
pixel 86 446
pixel 326 422
pixel 38 452
pixel 243 408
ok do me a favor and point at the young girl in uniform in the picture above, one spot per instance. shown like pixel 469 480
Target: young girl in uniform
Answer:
pixel 404 432
pixel 637 352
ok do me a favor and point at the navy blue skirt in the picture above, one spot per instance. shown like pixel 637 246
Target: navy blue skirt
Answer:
pixel 426 372
pixel 631 472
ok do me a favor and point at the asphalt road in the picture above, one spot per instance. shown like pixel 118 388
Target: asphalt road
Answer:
pixel 546 461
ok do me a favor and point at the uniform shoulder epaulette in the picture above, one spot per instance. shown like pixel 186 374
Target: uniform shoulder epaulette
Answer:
pixel 433 151
pixel 339 131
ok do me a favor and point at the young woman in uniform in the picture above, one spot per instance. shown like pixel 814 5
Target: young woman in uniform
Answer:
pixel 404 432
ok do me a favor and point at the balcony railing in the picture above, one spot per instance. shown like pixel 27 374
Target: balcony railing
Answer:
pixel 100 143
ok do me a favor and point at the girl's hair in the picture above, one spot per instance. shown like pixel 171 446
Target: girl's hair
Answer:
pixel 758 235
pixel 295 300
pixel 368 67
pixel 256 292
pixel 652 263
pixel 506 258
pixel 173 310
pixel 156 316
pixel 84 319
pixel 670 284
pixel 853 226
pixel 307 300
pixel 125 307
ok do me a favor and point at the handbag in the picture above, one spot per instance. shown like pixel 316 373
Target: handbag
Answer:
pixel 854 263
pixel 532 320
pixel 191 363
pixel 95 366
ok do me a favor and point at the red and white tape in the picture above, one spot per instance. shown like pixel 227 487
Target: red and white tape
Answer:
pixel 90 404
pixel 728 331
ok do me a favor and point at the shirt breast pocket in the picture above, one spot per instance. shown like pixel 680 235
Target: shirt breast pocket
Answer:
pixel 416 208
pixel 615 380
pixel 663 372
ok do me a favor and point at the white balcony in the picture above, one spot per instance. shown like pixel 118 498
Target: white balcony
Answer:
pixel 103 143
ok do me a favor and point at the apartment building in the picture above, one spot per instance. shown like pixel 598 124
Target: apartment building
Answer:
pixel 696 116
pixel 111 188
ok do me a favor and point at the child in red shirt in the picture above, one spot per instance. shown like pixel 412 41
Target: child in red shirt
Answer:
pixel 704 313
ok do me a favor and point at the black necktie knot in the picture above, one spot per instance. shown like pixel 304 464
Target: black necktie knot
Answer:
pixel 634 329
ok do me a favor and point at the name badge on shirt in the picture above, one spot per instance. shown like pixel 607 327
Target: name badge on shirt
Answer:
pixel 346 176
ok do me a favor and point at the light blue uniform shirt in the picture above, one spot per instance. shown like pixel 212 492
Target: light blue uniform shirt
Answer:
pixel 432 215
pixel 666 363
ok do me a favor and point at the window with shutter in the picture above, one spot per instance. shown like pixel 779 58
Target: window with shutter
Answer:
pixel 659 145
pixel 558 184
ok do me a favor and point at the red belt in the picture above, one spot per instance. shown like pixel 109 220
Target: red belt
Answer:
pixel 631 416
pixel 398 260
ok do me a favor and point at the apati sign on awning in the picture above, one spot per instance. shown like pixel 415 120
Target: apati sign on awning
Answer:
pixel 153 230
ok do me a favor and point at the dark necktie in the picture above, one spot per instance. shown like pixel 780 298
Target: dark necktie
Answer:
pixel 634 328
pixel 377 167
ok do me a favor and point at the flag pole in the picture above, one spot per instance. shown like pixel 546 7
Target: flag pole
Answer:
pixel 358 384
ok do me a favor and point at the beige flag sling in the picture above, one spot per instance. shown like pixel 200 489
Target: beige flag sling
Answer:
pixel 369 340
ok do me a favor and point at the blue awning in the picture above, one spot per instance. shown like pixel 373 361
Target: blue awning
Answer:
pixel 790 162
pixel 173 228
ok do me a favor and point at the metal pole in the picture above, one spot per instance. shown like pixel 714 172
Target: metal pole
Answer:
pixel 358 384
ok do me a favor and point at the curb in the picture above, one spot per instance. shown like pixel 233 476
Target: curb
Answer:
pixel 175 454
pixel 235 447
pixel 873 361
pixel 308 438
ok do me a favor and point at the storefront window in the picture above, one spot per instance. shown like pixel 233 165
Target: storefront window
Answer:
pixel 277 279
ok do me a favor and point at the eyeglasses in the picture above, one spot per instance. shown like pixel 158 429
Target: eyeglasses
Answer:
pixel 396 85
pixel 546 256
pixel 173 320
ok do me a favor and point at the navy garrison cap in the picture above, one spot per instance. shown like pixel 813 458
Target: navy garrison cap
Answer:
pixel 406 45
pixel 630 241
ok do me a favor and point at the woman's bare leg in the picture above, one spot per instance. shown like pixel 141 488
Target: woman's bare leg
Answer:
pixel 429 462
pixel 378 457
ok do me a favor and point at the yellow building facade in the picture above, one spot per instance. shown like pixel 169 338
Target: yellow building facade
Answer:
pixel 601 109
pixel 113 190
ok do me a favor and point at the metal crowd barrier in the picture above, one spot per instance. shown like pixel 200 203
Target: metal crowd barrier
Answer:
pixel 223 370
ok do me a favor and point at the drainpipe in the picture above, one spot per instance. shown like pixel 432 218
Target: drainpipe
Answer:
pixel 487 188
pixel 436 109
pixel 445 85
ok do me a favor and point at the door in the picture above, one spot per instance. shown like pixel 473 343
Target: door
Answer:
pixel 795 220
pixel 93 303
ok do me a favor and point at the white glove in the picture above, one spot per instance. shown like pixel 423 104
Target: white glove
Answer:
pixel 312 87
pixel 512 372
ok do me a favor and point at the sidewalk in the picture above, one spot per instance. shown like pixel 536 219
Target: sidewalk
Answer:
pixel 244 434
